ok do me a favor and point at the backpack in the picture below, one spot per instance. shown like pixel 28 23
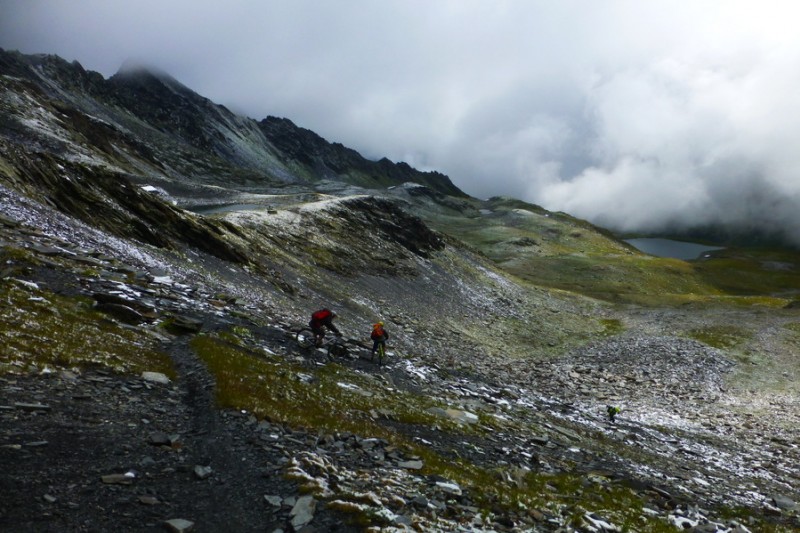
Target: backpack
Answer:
pixel 321 315
pixel 377 332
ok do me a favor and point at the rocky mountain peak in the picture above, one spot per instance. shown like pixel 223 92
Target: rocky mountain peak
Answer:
pixel 140 76
pixel 41 68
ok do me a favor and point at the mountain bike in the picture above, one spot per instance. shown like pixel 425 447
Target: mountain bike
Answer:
pixel 332 347
pixel 381 352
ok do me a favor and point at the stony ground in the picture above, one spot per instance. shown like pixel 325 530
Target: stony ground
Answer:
pixel 98 451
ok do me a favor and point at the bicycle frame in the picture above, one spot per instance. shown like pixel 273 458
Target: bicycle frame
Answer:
pixel 381 351
pixel 307 340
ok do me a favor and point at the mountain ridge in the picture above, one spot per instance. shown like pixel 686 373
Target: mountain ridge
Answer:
pixel 203 126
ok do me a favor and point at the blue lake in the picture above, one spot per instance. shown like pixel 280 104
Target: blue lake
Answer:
pixel 670 248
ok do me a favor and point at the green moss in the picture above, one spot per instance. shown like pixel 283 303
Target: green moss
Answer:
pixel 241 331
pixel 15 254
pixel 90 273
pixel 793 326
pixel 611 327
pixel 326 258
pixel 330 398
pixel 239 336
pixel 722 337
pixel 40 329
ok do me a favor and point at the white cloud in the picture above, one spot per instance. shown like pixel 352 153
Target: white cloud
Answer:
pixel 631 114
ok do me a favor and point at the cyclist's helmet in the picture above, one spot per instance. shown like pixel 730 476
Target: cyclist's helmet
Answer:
pixel 380 322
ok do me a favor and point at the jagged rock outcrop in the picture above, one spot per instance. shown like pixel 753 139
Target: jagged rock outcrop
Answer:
pixel 318 157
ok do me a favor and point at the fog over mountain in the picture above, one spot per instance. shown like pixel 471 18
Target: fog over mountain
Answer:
pixel 636 116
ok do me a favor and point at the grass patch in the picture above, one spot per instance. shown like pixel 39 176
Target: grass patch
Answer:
pixel 611 327
pixel 328 398
pixel 614 278
pixel 40 329
pixel 752 272
pixel 793 327
pixel 722 337
pixel 556 251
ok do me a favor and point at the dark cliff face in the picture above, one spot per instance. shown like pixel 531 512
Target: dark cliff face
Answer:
pixel 155 120
pixel 168 106
pixel 335 161
pixel 41 67
pixel 112 203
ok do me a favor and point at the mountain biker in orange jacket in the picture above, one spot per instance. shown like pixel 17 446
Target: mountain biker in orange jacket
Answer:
pixel 378 336
pixel 321 321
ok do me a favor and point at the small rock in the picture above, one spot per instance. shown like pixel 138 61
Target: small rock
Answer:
pixel 462 416
pixel 784 503
pixel 179 525
pixel 156 377
pixel 450 488
pixel 402 520
pixel 303 511
pixel 421 502
pixel 32 406
pixel 771 509
pixel 274 501
pixel 123 313
pixel 159 438
pixel 202 472
pixel 184 324
pixel 118 479
pixel 706 528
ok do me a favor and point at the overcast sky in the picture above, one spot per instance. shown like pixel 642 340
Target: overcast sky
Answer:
pixel 632 114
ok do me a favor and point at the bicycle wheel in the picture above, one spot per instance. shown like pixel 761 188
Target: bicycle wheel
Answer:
pixel 305 338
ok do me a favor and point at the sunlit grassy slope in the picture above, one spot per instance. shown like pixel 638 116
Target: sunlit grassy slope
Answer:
pixel 559 251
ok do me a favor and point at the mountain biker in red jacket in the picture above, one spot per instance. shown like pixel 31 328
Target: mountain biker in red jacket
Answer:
pixel 321 321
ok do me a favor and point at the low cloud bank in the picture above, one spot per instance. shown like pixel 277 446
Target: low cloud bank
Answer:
pixel 637 116
pixel 670 146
